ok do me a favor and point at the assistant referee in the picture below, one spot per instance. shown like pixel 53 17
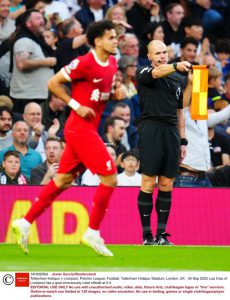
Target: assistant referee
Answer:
pixel 162 143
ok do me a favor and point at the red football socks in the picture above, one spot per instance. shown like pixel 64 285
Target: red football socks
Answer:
pixel 45 199
pixel 100 205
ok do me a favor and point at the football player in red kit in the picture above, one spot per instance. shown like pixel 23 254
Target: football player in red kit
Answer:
pixel 91 77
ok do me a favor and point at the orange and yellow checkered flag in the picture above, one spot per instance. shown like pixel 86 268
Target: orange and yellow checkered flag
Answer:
pixel 199 104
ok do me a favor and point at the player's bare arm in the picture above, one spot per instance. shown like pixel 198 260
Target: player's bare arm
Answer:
pixel 55 85
pixel 24 63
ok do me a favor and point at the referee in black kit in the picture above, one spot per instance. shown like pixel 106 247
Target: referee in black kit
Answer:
pixel 162 143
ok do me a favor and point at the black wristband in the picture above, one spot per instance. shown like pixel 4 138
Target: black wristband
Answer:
pixel 175 66
pixel 184 142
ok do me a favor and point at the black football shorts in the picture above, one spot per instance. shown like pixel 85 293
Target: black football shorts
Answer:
pixel 159 147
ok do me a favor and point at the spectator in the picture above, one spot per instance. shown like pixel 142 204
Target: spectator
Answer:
pixel 90 179
pixel 73 5
pixel 37 134
pixel 129 45
pixel 172 27
pixel 51 38
pixel 16 8
pixel 6 101
pixel 130 137
pixel 222 49
pixel 58 8
pixel 193 28
pixel 32 63
pixel 6 139
pixel 208 60
pixel 223 128
pixel 73 43
pixel 188 50
pixel 118 93
pixel 10 172
pixel 212 19
pixel 130 163
pixel 143 11
pixel 7 27
pixel 128 66
pixel 44 172
pixel 226 94
pixel 219 148
pixel 116 14
pixel 152 31
pixel 54 108
pixel 37 4
pixel 29 158
pixel 114 129
pixel 220 177
pixel 91 11
pixel 214 86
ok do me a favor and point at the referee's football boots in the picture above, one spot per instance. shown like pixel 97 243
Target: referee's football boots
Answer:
pixel 148 239
pixel 162 239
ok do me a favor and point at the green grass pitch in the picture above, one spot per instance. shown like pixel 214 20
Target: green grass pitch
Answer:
pixel 126 258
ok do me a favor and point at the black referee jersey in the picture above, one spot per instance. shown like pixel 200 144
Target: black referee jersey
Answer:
pixel 160 98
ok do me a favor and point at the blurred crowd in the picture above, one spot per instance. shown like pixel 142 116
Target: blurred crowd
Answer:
pixel 39 37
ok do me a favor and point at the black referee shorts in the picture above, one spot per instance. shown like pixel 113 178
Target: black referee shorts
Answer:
pixel 159 147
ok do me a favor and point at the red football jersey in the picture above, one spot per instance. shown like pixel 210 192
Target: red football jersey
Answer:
pixel 92 81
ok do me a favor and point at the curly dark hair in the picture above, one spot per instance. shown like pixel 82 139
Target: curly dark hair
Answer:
pixel 97 29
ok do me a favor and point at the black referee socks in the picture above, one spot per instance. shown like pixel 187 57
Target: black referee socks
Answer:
pixel 163 205
pixel 145 206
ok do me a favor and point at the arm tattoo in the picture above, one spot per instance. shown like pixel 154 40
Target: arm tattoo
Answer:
pixel 23 55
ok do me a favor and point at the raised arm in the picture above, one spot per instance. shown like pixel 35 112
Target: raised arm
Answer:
pixel 166 69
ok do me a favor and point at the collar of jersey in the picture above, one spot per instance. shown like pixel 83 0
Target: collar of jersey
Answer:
pixel 98 61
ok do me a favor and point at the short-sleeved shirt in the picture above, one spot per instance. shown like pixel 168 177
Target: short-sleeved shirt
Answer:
pixel 30 84
pixel 160 98
pixel 38 173
pixel 91 84
pixel 6 28
pixel 218 145
pixel 213 95
pixel 28 161
pixel 65 52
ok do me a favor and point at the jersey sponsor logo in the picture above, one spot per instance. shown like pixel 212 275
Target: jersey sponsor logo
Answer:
pixel 98 96
pixel 95 96
pixel 95 80
pixel 109 165
pixel 74 63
